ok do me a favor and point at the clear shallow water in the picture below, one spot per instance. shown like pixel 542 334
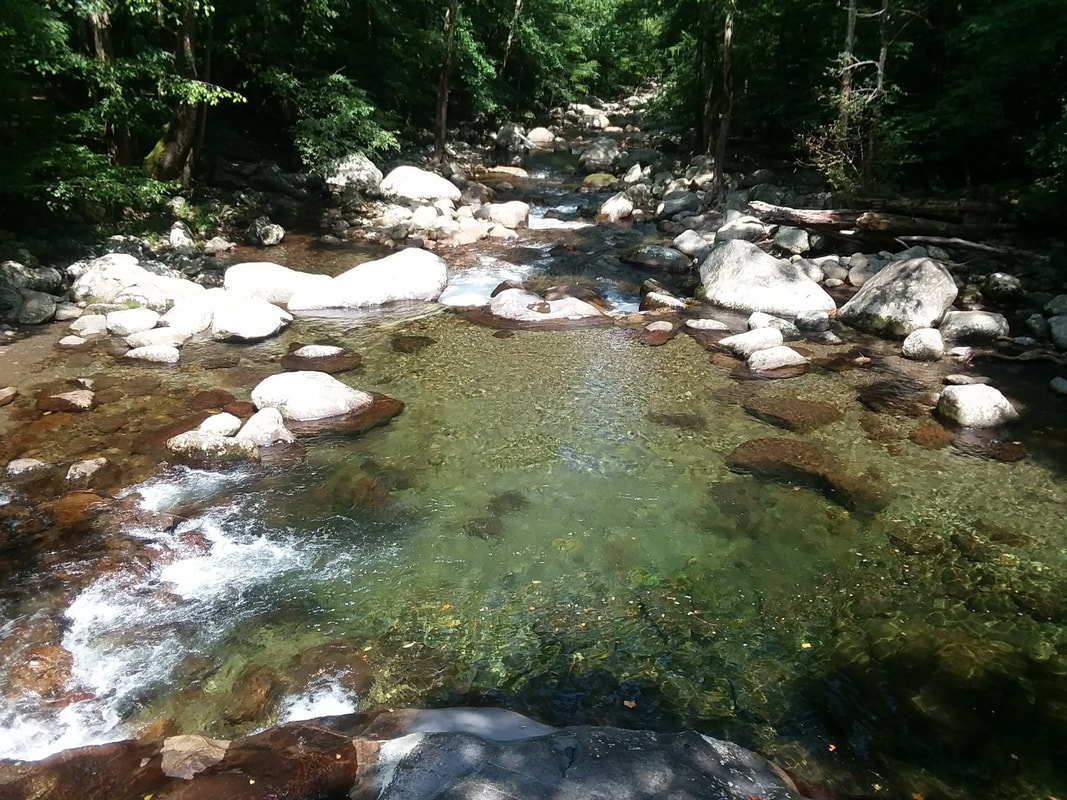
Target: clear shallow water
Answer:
pixel 526 534
pixel 550 526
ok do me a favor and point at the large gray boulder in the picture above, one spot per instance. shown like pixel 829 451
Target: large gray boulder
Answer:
pixel 358 172
pixel 309 395
pixel 578 763
pixel 414 186
pixel 600 156
pixel 740 276
pixel 407 275
pixel 900 298
pixel 38 279
pixel 36 308
pixel 269 281
pixel 1057 328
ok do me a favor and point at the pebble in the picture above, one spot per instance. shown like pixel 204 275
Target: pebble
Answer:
pixel 1059 386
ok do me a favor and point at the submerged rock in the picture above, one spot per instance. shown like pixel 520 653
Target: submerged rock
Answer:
pixel 792 413
pixel 806 464
pixel 320 358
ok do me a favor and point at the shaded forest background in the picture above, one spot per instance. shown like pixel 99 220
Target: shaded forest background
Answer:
pixel 109 104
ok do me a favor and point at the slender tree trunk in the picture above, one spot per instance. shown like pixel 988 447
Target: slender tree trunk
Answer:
pixel 441 115
pixel 709 110
pixel 719 183
pixel 169 159
pixel 116 134
pixel 846 61
pixel 511 36
pixel 877 97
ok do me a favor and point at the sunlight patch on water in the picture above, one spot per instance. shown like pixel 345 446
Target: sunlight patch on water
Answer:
pixel 473 286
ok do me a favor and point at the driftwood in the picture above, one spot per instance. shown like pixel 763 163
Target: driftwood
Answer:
pixel 935 208
pixel 856 224
pixel 1029 355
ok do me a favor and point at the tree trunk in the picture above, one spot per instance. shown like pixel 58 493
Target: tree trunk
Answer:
pixel 727 111
pixel 709 107
pixel 876 98
pixel 169 159
pixel 116 135
pixel 511 36
pixel 441 112
pixel 846 62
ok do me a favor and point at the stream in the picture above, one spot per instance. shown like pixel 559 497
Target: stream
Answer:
pixel 550 527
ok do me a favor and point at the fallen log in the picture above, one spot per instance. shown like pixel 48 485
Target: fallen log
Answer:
pixel 936 208
pixel 874 223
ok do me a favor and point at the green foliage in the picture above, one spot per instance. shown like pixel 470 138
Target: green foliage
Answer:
pixel 336 119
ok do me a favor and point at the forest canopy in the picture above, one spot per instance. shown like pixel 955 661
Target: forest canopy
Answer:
pixel 114 102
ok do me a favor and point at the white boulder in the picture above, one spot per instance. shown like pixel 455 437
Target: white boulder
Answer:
pixel 775 358
pixel 222 424
pixel 745 344
pixel 417 186
pixel 740 276
pixel 155 354
pixel 410 274
pixel 901 297
pixel 924 344
pixel 616 208
pixel 976 405
pixel 132 320
pixel 308 395
pixel 269 281
pixel 265 428
pixel 247 319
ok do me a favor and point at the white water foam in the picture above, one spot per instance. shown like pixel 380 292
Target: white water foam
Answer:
pixel 472 286
pixel 324 699
pixel 183 484
pixel 538 221
pixel 128 633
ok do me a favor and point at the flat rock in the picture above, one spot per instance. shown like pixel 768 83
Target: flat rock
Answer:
pixel 793 414
pixel 158 337
pixel 309 395
pixel 320 358
pixel 654 256
pixel 739 276
pixel 745 344
pixel 154 354
pixel 186 756
pixel 760 319
pixel 24 466
pixel 198 447
pixel 89 325
pixel 76 400
pixel 8 395
pixel 268 281
pixel 523 306
pixel 407 275
pixel 976 406
pixel 71 341
pixel 247 319
pixel 131 320
pixel 84 470
pixel 902 297
pixel 773 358
pixel 806 464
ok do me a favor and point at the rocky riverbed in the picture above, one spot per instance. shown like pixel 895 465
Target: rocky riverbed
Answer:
pixel 599 455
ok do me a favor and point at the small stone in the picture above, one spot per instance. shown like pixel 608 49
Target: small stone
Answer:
pixel 71 341
pixel 8 395
pixel 89 325
pixel 775 358
pixel 222 424
pixel 744 345
pixel 84 470
pixel 158 337
pixel 924 344
pixel 1059 386
pixel 759 319
pixel 22 466
pixel 78 400
pixel 706 325
pixel 65 312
